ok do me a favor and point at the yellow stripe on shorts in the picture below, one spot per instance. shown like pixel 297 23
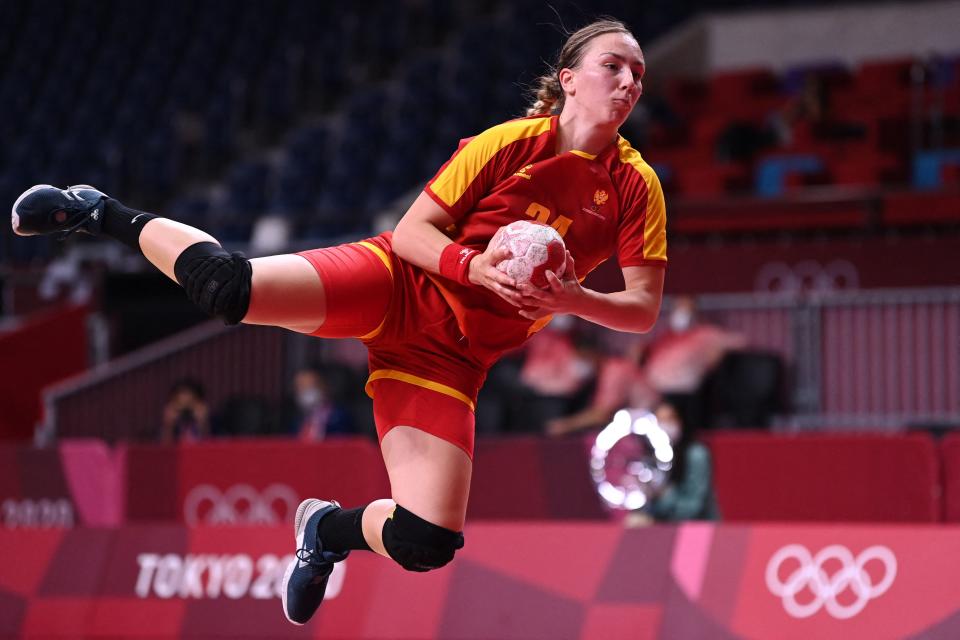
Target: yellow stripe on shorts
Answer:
pixel 385 259
pixel 409 378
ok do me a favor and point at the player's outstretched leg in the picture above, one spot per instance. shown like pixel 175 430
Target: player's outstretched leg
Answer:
pixel 289 291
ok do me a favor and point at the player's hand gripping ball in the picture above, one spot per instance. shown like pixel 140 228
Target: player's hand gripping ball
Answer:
pixel 536 249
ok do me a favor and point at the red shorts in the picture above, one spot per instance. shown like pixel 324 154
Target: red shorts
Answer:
pixel 421 372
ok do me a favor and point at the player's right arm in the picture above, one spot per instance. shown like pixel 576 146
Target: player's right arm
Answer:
pixel 419 239
pixel 475 167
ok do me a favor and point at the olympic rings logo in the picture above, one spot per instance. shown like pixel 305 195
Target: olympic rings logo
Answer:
pixel 241 504
pixel 811 576
pixel 807 275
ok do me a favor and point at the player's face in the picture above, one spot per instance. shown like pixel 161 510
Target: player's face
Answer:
pixel 607 84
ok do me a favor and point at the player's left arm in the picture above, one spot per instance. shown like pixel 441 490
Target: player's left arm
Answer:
pixel 635 309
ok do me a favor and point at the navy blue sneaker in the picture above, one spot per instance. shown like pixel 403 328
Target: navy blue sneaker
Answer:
pixel 45 209
pixel 305 580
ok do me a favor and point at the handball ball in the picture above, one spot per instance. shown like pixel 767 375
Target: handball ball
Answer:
pixel 536 248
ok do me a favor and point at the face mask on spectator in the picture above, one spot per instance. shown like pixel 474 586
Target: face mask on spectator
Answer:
pixel 671 428
pixel 681 319
pixel 310 398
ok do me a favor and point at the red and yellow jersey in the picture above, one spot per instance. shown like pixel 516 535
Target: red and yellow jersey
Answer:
pixel 604 205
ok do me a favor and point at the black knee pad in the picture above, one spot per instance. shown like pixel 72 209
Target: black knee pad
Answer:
pixel 215 281
pixel 418 545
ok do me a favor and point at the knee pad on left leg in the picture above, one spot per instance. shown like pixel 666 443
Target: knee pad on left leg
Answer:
pixel 418 545
pixel 216 281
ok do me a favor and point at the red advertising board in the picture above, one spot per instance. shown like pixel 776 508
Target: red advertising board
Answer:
pixel 520 580
pixel 248 482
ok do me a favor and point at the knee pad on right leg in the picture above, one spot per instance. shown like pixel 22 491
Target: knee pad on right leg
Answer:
pixel 217 282
pixel 418 545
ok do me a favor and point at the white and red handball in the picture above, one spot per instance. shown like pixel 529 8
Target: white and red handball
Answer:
pixel 536 249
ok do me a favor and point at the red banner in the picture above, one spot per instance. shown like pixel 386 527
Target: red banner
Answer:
pixel 251 482
pixel 49 347
pixel 758 476
pixel 523 580
pixel 77 483
pixel 826 477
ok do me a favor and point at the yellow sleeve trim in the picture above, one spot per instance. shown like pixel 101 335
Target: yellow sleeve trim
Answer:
pixel 655 223
pixel 409 378
pixel 385 259
pixel 457 177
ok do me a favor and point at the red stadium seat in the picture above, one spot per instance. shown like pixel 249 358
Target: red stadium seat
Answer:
pixel 730 87
pixel 709 180
pixel 868 169
pixel 761 215
pixel 883 76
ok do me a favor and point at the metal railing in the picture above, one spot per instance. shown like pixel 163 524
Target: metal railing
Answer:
pixel 877 359
pixel 873 359
pixel 124 398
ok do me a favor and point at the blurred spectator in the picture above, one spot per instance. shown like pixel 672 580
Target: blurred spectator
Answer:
pixel 679 359
pixel 742 140
pixel 66 275
pixel 673 366
pixel 811 105
pixel 557 374
pixel 620 383
pixel 315 413
pixel 688 493
pixel 186 416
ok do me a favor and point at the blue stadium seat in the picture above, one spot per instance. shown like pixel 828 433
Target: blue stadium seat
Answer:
pixel 771 172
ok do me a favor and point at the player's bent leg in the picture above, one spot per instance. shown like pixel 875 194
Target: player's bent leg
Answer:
pixel 428 475
pixel 430 483
pixel 420 528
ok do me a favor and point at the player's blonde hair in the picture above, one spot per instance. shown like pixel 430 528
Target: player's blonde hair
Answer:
pixel 547 93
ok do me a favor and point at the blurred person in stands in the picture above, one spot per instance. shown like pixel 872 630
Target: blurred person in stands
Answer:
pixel 688 493
pixel 679 359
pixel 316 412
pixel 186 416
pixel 741 141
pixel 556 376
pixel 620 383
pixel 673 367
pixel 428 300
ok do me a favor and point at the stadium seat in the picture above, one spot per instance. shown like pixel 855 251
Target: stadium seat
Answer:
pixel 928 167
pixel 773 171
